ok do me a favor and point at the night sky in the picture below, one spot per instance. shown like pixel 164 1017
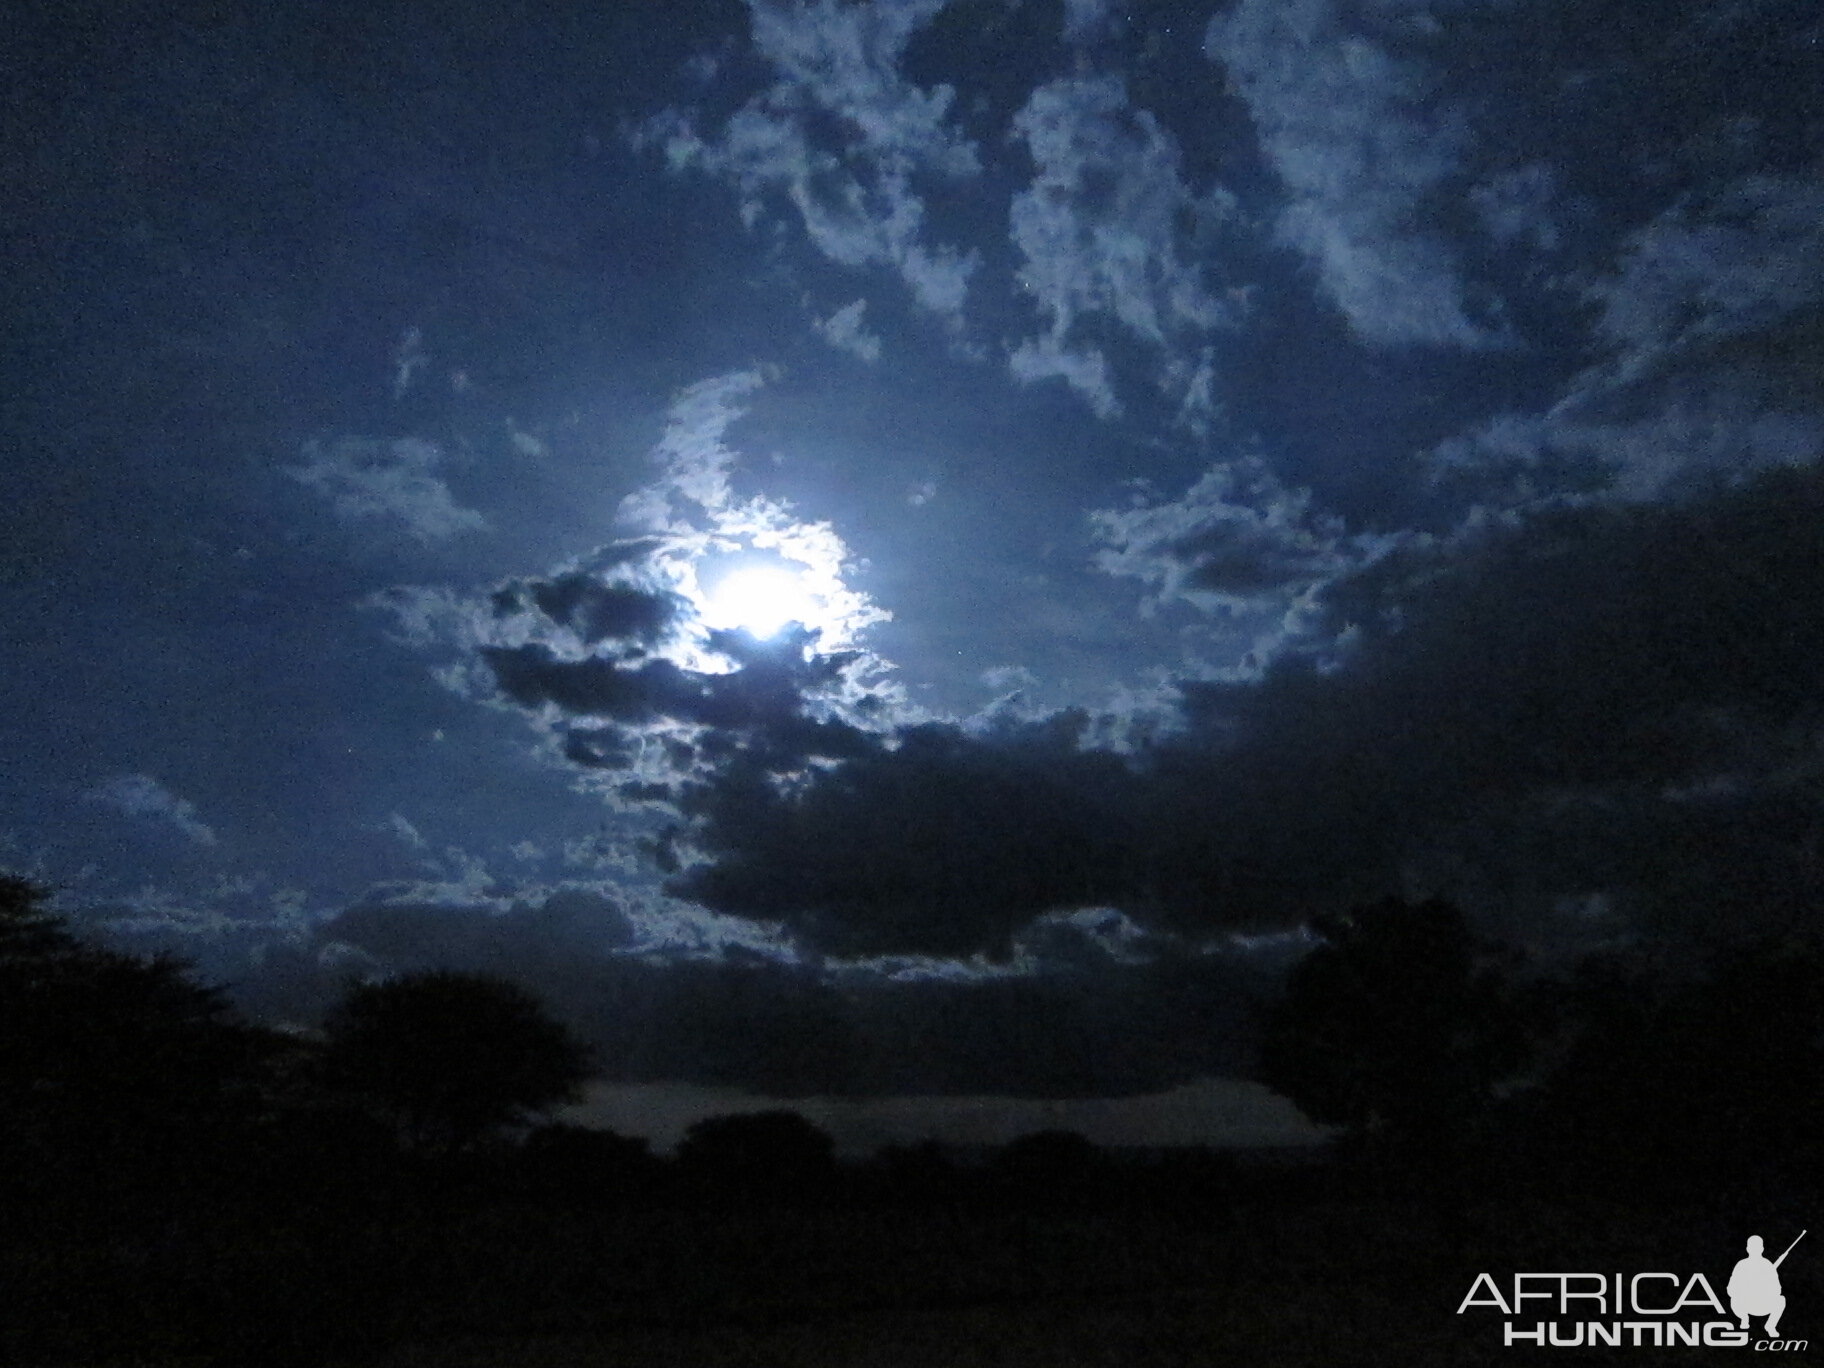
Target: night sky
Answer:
pixel 899 550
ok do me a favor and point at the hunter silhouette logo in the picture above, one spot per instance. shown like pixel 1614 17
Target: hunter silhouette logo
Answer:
pixel 1656 1310
pixel 1754 1287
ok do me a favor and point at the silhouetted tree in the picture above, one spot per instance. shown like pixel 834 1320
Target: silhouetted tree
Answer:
pixel 132 1104
pixel 582 1164
pixel 451 1058
pixel 1193 1181
pixel 763 1154
pixel 1054 1167
pixel 917 1175
pixel 1707 1084
pixel 1398 1026
pixel 110 1064
pixel 28 933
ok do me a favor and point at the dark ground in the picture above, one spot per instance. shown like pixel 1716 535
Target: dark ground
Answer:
pixel 1267 1278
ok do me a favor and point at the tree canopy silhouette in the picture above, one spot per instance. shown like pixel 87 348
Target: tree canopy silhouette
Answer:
pixel 1059 1167
pixel 1705 1084
pixel 1399 1024
pixel 110 1063
pixel 767 1154
pixel 451 1058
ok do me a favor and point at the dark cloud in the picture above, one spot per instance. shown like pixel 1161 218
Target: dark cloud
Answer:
pixel 527 938
pixel 768 699
pixel 946 844
pixel 537 940
pixel 1075 1021
pixel 596 611
pixel 532 675
pixel 601 747
pixel 1619 659
pixel 1589 645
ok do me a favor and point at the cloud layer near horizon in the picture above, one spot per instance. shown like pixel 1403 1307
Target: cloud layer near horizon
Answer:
pixel 1081 1015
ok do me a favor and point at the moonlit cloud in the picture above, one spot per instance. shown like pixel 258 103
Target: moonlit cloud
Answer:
pixel 692 506
pixel 618 658
pixel 1101 233
pixel 855 200
pixel 1711 367
pixel 1734 263
pixel 398 480
pixel 843 330
pixel 1360 145
pixel 1120 255
pixel 1236 539
pixel 1086 371
pixel 692 455
pixel 846 58
pixel 140 795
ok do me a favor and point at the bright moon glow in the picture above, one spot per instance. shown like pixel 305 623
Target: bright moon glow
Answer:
pixel 761 601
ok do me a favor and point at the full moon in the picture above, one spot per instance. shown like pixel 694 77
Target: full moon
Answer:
pixel 761 600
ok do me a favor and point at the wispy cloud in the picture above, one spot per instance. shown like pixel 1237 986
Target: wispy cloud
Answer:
pixel 1358 142
pixel 1519 206
pixel 843 330
pixel 1236 539
pixel 1085 19
pixel 366 479
pixel 140 795
pixel 854 199
pixel 1718 266
pixel 1102 232
pixel 1708 318
pixel 1086 370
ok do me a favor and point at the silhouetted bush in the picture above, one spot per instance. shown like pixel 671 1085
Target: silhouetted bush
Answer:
pixel 135 1111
